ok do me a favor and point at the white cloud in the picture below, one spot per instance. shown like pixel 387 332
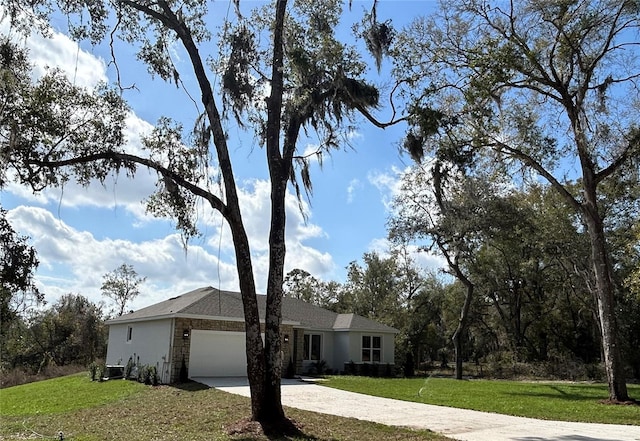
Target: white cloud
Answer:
pixel 315 262
pixel 382 246
pixel 388 184
pixel 354 185
pixel 82 68
pixel 313 154
pixel 58 51
pixel 256 213
pixel 118 191
pixel 255 205
pixel 75 261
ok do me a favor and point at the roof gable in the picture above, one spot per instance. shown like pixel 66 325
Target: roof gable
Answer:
pixel 354 322
pixel 174 305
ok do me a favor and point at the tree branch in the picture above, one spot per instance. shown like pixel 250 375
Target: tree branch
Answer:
pixel 382 125
pixel 528 160
pixel 633 145
pixel 213 200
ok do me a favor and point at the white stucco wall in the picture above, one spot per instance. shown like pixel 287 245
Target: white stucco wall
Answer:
pixel 342 347
pixel 150 344
pixel 389 348
pixel 355 346
pixel 341 350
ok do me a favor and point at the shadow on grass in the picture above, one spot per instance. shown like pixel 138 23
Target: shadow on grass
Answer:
pixel 286 429
pixel 565 393
pixel 190 386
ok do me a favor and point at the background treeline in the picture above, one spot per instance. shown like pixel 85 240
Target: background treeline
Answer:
pixel 39 340
pixel 62 338
pixel 532 310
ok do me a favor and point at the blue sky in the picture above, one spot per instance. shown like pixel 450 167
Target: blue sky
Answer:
pixel 82 233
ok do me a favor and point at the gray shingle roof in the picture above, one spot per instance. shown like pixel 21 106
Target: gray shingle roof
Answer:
pixel 210 303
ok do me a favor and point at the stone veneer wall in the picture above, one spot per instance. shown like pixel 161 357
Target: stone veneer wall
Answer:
pixel 181 346
pixel 300 352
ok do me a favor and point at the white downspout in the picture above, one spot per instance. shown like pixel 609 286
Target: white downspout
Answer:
pixel 166 371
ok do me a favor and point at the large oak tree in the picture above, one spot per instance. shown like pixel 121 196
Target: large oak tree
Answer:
pixel 283 74
pixel 537 89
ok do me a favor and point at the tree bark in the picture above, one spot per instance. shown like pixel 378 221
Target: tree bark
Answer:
pixel 273 343
pixel 279 166
pixel 613 363
pixel 253 340
pixel 462 325
pixel 456 338
pixel 602 269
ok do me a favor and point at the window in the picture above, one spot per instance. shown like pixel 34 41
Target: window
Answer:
pixel 371 348
pixel 129 333
pixel 312 345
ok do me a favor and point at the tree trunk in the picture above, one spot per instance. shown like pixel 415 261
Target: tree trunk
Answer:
pixel 456 338
pixel 613 363
pixel 253 340
pixel 601 267
pixel 273 344
pixel 462 325
pixel 279 165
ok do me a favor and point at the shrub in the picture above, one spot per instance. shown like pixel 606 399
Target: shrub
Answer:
pixel 152 376
pixel 93 371
pixel 22 375
pixel 128 370
pixel 148 375
pixel 184 373
pixel 350 368
pixel 319 367
pixel 101 371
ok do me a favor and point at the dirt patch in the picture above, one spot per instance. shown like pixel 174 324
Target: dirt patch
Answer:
pixel 245 427
pixel 249 427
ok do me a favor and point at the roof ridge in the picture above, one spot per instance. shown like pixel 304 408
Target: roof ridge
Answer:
pixel 213 302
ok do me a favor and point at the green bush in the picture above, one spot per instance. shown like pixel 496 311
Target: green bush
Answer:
pixel 93 371
pixel 350 368
pixel 148 375
pixel 142 372
pixel 101 371
pixel 319 367
pixel 152 377
pixel 129 368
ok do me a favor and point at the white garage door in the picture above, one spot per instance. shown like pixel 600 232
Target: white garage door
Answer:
pixel 217 354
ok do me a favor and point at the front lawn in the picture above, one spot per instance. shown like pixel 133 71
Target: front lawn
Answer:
pixel 119 409
pixel 545 400
pixel 63 394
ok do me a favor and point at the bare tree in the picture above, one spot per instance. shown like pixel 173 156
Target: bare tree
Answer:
pixel 121 286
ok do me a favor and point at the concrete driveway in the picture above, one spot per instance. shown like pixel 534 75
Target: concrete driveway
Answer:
pixel 460 424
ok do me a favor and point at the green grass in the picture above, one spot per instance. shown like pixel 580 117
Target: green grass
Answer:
pixel 544 400
pixel 118 409
pixel 62 395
